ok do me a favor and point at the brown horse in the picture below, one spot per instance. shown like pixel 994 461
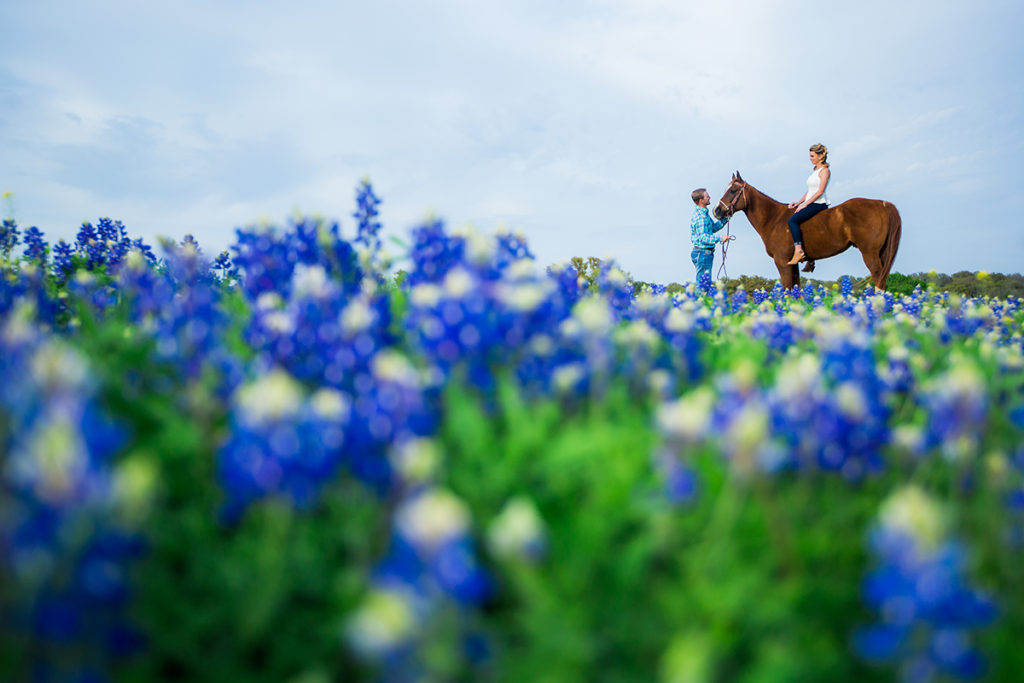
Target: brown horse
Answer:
pixel 871 225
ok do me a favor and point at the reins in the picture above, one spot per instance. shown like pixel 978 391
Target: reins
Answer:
pixel 725 250
pixel 725 244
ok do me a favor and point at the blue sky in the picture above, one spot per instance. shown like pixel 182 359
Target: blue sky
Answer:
pixel 583 125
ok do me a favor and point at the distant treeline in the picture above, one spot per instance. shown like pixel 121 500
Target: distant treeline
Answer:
pixel 965 283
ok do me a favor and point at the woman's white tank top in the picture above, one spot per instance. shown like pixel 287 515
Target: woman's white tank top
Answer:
pixel 813 183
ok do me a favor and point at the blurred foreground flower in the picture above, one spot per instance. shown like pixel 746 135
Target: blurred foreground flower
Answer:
pixel 927 608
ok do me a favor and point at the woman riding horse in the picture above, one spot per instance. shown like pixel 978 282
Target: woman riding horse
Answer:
pixel 871 225
pixel 813 202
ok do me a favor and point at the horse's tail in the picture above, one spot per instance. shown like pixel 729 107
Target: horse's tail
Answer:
pixel 892 241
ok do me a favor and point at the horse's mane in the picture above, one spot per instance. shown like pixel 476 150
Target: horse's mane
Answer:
pixel 763 194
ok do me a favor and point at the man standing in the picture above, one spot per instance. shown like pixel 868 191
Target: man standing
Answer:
pixel 702 233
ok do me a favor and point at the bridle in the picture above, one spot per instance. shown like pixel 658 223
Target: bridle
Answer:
pixel 729 208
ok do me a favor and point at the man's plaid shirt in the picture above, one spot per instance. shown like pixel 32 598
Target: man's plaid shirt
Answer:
pixel 703 227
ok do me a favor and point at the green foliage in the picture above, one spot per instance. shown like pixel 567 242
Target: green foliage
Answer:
pixel 588 268
pixel 634 586
pixel 748 283
pixel 967 283
pixel 898 283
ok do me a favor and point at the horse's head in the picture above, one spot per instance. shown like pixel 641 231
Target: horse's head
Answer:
pixel 734 199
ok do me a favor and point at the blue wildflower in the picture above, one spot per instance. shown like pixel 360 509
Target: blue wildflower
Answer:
pixel 367 225
pixel 845 285
pixel 8 237
pixel 36 248
pixel 281 442
pixel 68 560
pixel 927 609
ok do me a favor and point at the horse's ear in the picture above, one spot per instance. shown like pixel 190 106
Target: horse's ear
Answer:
pixel 738 177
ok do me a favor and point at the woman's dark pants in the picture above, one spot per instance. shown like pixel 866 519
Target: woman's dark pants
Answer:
pixel 802 215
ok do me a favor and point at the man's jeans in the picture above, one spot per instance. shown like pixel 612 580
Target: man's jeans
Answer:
pixel 703 259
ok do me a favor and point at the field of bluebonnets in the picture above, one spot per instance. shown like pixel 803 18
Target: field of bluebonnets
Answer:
pixel 283 464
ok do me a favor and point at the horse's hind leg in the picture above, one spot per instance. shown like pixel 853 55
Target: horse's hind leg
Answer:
pixel 874 263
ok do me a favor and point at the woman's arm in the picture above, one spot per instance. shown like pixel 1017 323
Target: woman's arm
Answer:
pixel 798 202
pixel 824 174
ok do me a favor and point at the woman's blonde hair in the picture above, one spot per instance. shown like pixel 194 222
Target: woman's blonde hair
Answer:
pixel 823 151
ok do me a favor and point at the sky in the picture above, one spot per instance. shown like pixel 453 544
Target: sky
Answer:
pixel 583 125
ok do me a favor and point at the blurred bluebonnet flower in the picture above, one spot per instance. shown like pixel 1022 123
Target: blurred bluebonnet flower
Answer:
pixel 683 425
pixel 391 404
pixel 89 244
pixel 145 290
pixel 807 293
pixel 587 350
pixel 415 462
pixel 912 304
pixel 36 248
pixel 511 247
pixel 682 327
pixel 686 421
pixel 281 442
pixel 614 284
pixel 483 313
pixel 704 283
pixel 835 425
pixel 435 525
pixel 567 282
pixel 63 259
pixel 187 321
pixel 320 334
pixel 97 248
pixel 63 550
pixel 143 249
pixel 432 555
pixel 431 567
pixel 845 285
pixel 90 289
pixel 518 532
pixel 779 329
pixel 967 318
pixel 478 311
pixel 434 252
pixel 25 288
pixel 367 225
pixel 8 237
pixel 114 237
pixel 927 608
pixel 735 416
pixel 384 628
pixel 956 403
pixel 266 259
pixel 896 373
pixel 225 267
pixel 678 479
